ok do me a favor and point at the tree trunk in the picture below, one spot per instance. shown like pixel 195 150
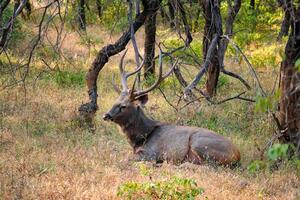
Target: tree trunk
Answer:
pixel 172 13
pixel 81 15
pixel 286 22
pixel 289 111
pixel 149 46
pixel 99 8
pixel 210 29
pixel 252 4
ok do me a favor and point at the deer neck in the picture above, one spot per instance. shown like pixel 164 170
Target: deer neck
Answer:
pixel 139 128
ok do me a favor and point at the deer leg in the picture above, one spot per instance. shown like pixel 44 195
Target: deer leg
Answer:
pixel 193 157
pixel 142 154
pixel 211 150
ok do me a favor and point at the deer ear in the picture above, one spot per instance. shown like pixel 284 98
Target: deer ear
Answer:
pixel 143 99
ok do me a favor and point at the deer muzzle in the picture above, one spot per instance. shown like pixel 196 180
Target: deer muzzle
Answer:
pixel 107 117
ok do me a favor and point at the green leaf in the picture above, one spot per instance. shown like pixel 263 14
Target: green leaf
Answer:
pixel 278 151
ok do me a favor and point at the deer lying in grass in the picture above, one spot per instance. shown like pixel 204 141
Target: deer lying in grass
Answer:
pixel 156 141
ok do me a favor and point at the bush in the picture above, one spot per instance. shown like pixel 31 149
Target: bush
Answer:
pixel 175 188
pixel 278 152
pixel 256 166
pixel 268 103
pixel 69 79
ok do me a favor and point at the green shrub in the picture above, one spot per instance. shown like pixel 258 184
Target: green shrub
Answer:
pixel 69 79
pixel 268 103
pixel 256 166
pixel 278 152
pixel 175 188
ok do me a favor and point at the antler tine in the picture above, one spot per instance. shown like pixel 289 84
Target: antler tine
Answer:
pixel 123 74
pixel 160 77
pixel 137 69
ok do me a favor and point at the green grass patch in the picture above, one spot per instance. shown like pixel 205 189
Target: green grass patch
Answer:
pixel 175 188
pixel 67 79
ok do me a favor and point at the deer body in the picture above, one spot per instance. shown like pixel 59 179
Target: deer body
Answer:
pixel 155 141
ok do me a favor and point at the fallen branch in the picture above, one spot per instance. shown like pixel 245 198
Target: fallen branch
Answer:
pixel 244 82
pixel 236 97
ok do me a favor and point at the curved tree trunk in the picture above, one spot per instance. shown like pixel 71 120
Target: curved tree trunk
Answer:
pixel 289 112
pixel 88 110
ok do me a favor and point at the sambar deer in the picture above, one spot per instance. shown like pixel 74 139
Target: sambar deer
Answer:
pixel 156 141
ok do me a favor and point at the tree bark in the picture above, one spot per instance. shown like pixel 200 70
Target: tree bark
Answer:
pixel 149 45
pixel 99 8
pixel 172 13
pixel 286 22
pixel 211 13
pixel 252 4
pixel 213 26
pixel 81 15
pixel 289 109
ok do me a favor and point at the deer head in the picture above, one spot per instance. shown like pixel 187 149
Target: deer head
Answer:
pixel 130 102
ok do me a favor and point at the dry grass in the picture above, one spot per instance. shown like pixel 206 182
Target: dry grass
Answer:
pixel 46 154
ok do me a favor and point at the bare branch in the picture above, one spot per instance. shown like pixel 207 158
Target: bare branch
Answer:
pixel 248 64
pixel 204 68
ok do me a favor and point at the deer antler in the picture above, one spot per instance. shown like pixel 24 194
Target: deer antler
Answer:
pixel 135 94
pixel 125 75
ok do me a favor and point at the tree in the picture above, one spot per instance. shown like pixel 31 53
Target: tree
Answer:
pixel 99 8
pixel 211 28
pixel 286 22
pixel 289 109
pixel 215 45
pixel 81 15
pixel 252 4
pixel 171 6
pixel 149 45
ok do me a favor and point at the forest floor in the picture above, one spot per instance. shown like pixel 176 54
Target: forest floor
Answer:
pixel 45 153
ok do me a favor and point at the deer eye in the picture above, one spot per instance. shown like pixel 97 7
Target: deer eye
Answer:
pixel 123 107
